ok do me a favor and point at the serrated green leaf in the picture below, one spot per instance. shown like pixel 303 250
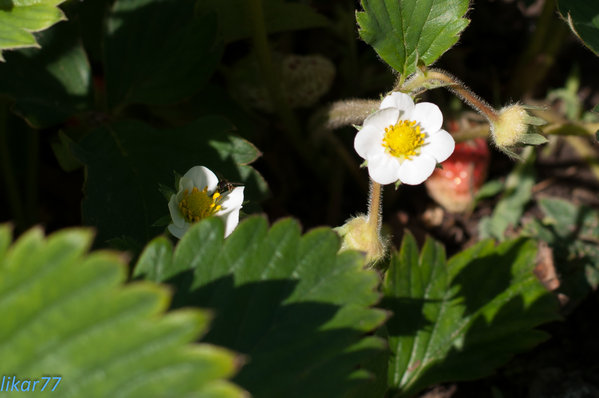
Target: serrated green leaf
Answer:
pixel 48 85
pixel 509 210
pixel 571 231
pixel 279 16
pixel 583 18
pixel 68 314
pixel 533 139
pixel 462 318
pixel 20 18
pixel 126 163
pixel 404 33
pixel 295 307
pixel 162 65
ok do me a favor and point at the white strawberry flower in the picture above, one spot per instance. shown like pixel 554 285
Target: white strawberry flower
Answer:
pixel 403 141
pixel 199 197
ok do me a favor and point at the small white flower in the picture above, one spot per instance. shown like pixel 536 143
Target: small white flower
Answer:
pixel 199 197
pixel 402 141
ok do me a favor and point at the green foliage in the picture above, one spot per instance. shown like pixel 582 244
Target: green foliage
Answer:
pixel 460 319
pixel 294 306
pixel 161 65
pixel 583 18
pixel 20 18
pixel 66 313
pixel 572 232
pixel 279 16
pixel 51 84
pixel 411 32
pixel 127 162
pixel 509 210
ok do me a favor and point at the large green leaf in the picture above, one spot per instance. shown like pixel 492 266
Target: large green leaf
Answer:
pixel 407 32
pixel 126 162
pixel 571 231
pixel 279 16
pixel 295 307
pixel 48 85
pixel 158 52
pixel 461 319
pixel 66 314
pixel 19 18
pixel 583 18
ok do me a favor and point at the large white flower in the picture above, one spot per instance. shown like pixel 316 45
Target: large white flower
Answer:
pixel 402 141
pixel 199 197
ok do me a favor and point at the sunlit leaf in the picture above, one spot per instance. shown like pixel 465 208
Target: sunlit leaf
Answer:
pixel 407 32
pixel 295 307
pixel 20 18
pixel 460 319
pixel 68 314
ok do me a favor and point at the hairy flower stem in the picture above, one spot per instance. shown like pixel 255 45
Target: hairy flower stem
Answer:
pixel 375 203
pixel 443 79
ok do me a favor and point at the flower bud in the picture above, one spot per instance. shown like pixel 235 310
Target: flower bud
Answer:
pixel 512 127
pixel 358 234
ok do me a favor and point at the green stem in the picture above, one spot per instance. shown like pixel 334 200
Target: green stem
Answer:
pixel 539 56
pixel 272 79
pixel 12 189
pixel 32 177
pixel 375 208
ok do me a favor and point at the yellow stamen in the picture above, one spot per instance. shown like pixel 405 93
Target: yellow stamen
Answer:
pixel 198 205
pixel 404 139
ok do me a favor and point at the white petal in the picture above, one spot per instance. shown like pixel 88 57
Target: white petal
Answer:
pixel 185 183
pixel 439 145
pixel 429 117
pixel 369 141
pixel 415 171
pixel 231 220
pixel 382 118
pixel 383 169
pixel 202 177
pixel 233 200
pixel 402 102
pixel 178 232
pixel 176 215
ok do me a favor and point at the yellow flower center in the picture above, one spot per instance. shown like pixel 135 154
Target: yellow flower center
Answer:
pixel 404 139
pixel 198 205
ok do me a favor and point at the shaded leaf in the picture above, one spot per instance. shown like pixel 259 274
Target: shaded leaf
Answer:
pixel 509 210
pixel 68 314
pixel 279 16
pixel 161 65
pixel 20 18
pixel 407 32
pixel 572 232
pixel 295 307
pixel 127 162
pixel 583 18
pixel 51 84
pixel 460 319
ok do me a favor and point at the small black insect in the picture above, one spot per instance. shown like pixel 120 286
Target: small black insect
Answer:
pixel 225 186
